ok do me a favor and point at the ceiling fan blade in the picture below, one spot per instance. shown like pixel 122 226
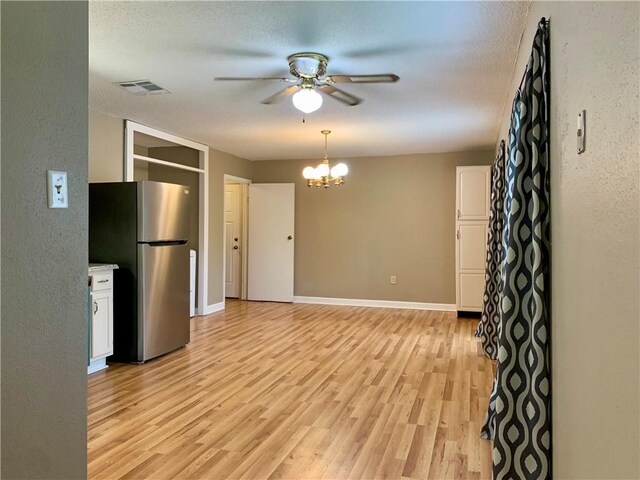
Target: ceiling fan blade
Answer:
pixel 281 95
pixel 279 79
pixel 381 78
pixel 339 95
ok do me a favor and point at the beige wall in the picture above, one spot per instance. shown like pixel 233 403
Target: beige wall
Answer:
pixel 595 225
pixel 220 163
pixel 106 148
pixel 44 251
pixel 395 215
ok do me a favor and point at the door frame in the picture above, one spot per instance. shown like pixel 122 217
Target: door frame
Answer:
pixel 130 157
pixel 244 244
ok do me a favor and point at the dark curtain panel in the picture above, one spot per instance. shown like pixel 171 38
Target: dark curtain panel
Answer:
pixel 519 417
pixel 488 327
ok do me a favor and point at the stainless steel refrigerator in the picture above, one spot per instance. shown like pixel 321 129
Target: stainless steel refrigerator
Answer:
pixel 143 227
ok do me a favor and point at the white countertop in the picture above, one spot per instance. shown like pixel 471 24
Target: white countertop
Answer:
pixel 98 267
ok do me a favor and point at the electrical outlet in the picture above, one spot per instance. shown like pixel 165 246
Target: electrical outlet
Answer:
pixel 393 280
pixel 57 194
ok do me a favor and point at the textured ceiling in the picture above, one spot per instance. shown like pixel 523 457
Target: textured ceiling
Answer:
pixel 454 59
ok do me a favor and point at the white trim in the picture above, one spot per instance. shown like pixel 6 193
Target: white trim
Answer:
pixel 129 164
pixel 168 164
pixel 169 137
pixel 234 179
pixel 352 302
pixel 216 307
pixel 226 178
pixel 97 365
pixel 203 233
pixel 203 200
pixel 245 242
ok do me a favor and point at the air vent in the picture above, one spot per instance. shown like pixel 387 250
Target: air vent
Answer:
pixel 143 87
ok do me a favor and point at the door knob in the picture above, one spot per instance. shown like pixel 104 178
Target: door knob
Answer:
pixel 235 247
pixel 289 237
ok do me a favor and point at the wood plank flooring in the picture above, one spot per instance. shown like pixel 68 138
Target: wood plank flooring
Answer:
pixel 269 391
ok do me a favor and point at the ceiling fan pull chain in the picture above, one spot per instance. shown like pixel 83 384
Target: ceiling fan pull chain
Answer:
pixel 304 120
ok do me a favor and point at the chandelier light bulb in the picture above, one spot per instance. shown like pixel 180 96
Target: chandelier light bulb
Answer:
pixel 322 170
pixel 339 170
pixel 309 173
pixel 307 100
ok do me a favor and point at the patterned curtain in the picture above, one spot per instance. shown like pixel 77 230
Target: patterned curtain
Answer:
pixel 488 327
pixel 519 416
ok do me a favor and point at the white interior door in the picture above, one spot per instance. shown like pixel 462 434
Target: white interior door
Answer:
pixel 233 242
pixel 271 227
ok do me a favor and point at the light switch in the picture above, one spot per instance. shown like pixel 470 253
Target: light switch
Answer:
pixel 580 131
pixel 57 194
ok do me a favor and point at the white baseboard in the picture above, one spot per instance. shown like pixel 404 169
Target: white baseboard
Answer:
pixel 97 365
pixel 216 307
pixel 352 302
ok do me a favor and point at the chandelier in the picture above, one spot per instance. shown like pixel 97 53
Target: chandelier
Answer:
pixel 323 175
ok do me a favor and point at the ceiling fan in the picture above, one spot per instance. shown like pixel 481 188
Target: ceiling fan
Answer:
pixel 309 70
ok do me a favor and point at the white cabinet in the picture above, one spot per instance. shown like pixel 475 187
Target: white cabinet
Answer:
pixel 473 193
pixel 100 318
pixel 101 325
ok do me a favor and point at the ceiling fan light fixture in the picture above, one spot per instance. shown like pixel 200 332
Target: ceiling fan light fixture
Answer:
pixel 307 100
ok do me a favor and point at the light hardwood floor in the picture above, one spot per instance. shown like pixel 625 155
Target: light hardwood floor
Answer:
pixel 268 390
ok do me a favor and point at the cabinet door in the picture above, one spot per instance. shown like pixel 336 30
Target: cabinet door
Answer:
pixel 101 329
pixel 471 291
pixel 473 188
pixel 472 248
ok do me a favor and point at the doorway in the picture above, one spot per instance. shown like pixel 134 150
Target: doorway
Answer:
pixel 235 237
pixel 177 160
